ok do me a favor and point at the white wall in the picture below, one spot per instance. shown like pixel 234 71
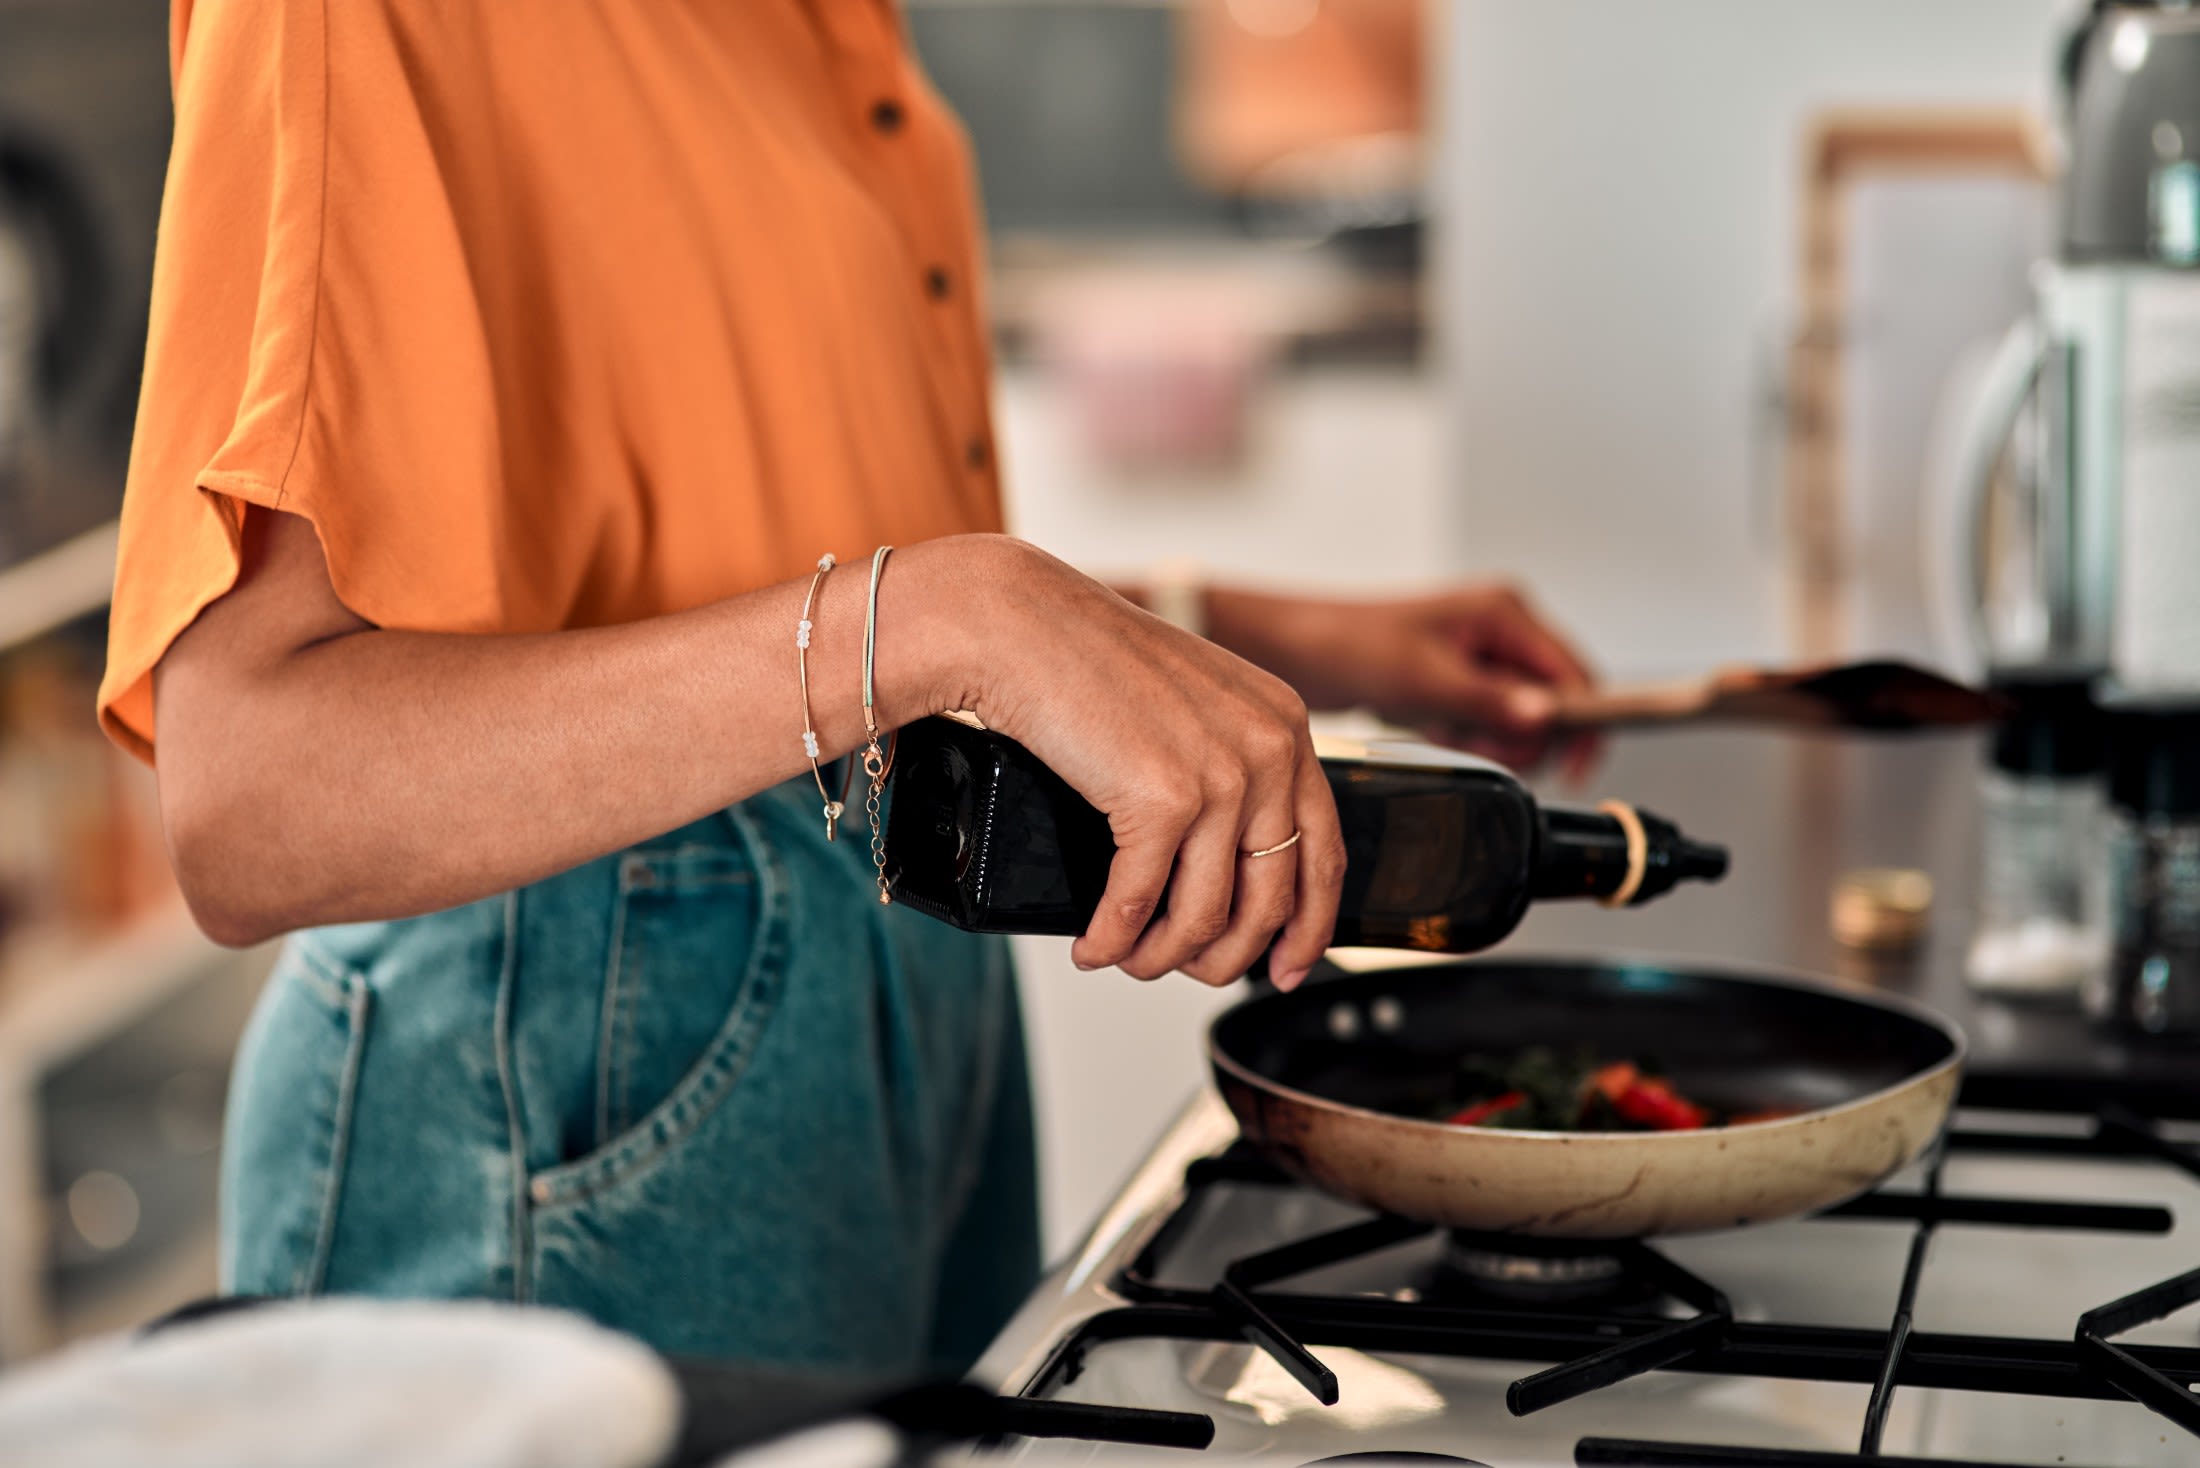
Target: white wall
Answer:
pixel 1618 190
pixel 1341 486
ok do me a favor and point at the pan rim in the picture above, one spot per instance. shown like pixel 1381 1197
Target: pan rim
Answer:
pixel 1959 1051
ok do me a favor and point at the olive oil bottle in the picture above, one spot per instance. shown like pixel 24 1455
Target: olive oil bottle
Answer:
pixel 1445 852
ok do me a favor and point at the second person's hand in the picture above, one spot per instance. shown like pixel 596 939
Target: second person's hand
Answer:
pixel 1476 668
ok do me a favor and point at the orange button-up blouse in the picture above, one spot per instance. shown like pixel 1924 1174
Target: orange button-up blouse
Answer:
pixel 551 314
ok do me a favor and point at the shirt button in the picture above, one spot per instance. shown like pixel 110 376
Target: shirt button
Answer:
pixel 539 1190
pixel 977 454
pixel 886 115
pixel 937 283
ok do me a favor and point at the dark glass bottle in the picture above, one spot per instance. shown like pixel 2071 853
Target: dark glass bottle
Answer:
pixel 1444 852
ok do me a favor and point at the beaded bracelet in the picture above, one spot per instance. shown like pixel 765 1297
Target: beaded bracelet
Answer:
pixel 833 808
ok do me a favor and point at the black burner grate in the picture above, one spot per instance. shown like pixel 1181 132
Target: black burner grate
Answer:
pixel 1589 1349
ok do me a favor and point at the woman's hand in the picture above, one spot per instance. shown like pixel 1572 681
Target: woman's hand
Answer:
pixel 1475 668
pixel 1195 756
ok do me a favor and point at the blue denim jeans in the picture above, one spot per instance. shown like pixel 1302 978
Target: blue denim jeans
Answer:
pixel 706 1090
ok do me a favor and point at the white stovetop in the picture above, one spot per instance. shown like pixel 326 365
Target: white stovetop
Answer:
pixel 1838 1272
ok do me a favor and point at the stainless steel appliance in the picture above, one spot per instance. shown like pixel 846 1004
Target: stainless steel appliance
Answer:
pixel 2150 981
pixel 2098 393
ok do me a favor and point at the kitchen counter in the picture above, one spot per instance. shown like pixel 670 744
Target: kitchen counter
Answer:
pixel 1797 812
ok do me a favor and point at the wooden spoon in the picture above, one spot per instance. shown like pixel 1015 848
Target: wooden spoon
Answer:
pixel 1882 694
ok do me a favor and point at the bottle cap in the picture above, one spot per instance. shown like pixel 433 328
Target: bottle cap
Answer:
pixel 2154 756
pixel 2056 730
pixel 1884 909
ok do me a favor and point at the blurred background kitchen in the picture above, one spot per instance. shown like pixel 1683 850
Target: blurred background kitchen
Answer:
pixel 1669 311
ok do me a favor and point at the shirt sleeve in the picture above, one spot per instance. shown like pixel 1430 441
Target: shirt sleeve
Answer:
pixel 314 342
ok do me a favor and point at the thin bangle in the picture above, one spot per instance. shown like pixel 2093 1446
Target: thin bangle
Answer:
pixel 877 764
pixel 833 808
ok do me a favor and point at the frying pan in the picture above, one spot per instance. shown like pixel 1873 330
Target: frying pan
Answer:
pixel 1331 1081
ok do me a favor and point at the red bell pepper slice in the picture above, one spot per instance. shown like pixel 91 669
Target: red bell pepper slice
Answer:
pixel 1482 1111
pixel 1609 1081
pixel 1654 1104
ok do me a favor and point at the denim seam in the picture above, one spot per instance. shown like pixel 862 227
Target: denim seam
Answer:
pixel 701 1091
pixel 332 981
pixel 610 1019
pixel 507 1081
pixel 639 872
pixel 356 1007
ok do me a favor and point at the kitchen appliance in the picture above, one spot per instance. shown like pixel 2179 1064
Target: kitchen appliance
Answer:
pixel 1444 852
pixel 1963 1280
pixel 2002 1300
pixel 1949 1319
pixel 2042 817
pixel 2098 394
pixel 1332 1084
pixel 2151 982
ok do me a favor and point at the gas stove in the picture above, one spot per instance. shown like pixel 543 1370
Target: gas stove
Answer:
pixel 1990 1305
pixel 2011 1299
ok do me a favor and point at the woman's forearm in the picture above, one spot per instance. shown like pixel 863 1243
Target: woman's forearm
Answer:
pixel 379 773
pixel 317 769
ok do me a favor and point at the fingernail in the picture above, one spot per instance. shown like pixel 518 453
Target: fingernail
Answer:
pixel 1085 964
pixel 1289 979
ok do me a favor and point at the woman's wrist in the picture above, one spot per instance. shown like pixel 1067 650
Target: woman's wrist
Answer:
pixel 942 606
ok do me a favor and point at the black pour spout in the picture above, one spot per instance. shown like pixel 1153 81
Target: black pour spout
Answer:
pixel 1592 853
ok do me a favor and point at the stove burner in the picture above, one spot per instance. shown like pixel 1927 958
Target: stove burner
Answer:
pixel 1509 1269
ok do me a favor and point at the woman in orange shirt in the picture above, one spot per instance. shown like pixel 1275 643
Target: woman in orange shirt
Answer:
pixel 511 369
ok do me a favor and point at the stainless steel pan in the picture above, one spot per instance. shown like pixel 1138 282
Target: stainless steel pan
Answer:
pixel 1332 1082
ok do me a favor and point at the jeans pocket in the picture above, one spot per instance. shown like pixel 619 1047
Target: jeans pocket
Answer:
pixel 696 956
pixel 288 1124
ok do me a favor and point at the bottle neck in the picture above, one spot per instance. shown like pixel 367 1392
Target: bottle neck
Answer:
pixel 1587 853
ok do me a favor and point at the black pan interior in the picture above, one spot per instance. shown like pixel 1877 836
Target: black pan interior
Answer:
pixel 1390 1040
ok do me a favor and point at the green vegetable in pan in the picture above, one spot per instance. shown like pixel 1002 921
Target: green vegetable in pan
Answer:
pixel 1538 1090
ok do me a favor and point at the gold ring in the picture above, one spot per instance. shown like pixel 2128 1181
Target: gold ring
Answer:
pixel 1283 845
